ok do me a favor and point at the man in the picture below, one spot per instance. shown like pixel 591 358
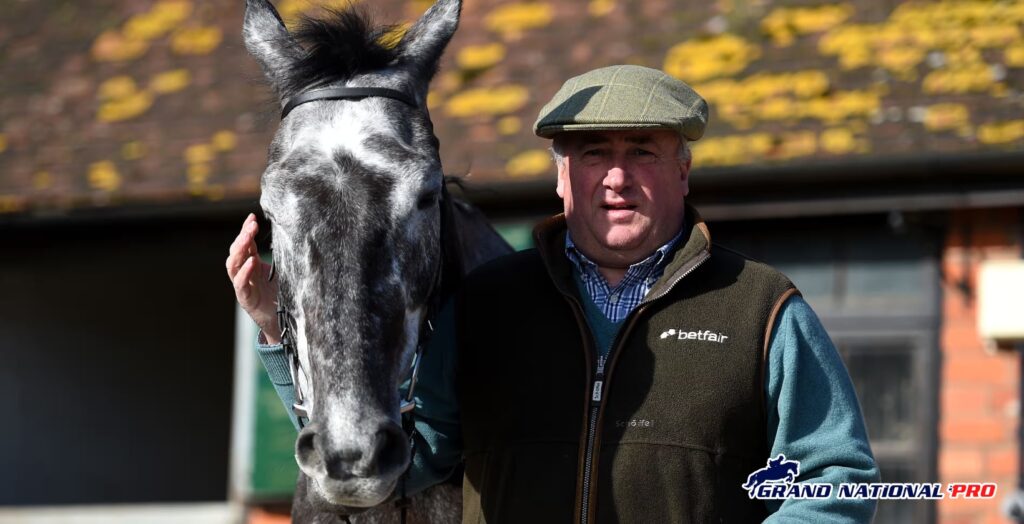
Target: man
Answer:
pixel 628 369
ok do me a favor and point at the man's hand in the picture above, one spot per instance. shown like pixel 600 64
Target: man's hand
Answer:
pixel 249 276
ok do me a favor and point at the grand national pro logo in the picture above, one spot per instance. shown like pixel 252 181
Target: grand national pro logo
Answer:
pixel 777 481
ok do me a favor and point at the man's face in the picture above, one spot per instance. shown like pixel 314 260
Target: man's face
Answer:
pixel 622 192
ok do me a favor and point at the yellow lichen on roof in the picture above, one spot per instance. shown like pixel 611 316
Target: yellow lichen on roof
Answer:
pixel 199 159
pixel 902 61
pixel 121 99
pixel 133 150
pixel 787 97
pixel 199 153
pixel 12 203
pixel 170 81
pixel 995 133
pixel 42 180
pixel 120 86
pixel 899 44
pixel 762 86
pixel 132 39
pixel 841 141
pixel 200 40
pixel 794 145
pixel 103 175
pixel 510 20
pixel 487 101
pixel 223 141
pixel 112 46
pixel 946 117
pixel 509 125
pixel 529 164
pixel 434 99
pixel 475 57
pixel 732 150
pixel 158 21
pixel 198 173
pixel 975 78
pixel 1013 55
pixel 784 24
pixel 706 58
pixel 126 107
pixel 599 8
pixel 843 105
pixel 958 13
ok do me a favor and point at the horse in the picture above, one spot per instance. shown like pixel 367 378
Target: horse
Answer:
pixel 366 239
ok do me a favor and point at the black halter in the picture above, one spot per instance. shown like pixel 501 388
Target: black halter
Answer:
pixel 344 93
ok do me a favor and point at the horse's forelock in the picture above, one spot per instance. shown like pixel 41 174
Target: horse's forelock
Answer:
pixel 340 44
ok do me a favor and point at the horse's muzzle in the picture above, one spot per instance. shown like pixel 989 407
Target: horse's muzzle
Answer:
pixel 353 462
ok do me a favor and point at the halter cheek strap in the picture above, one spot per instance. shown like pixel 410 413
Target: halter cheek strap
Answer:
pixel 343 93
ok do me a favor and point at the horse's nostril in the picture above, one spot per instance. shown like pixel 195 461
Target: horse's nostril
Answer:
pixel 306 451
pixel 391 449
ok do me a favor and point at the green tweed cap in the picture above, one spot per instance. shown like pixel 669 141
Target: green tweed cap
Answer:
pixel 623 97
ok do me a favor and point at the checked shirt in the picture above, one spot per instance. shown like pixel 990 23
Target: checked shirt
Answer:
pixel 640 277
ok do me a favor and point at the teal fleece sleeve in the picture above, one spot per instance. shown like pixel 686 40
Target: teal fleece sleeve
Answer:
pixel 438 447
pixel 276 363
pixel 437 444
pixel 814 417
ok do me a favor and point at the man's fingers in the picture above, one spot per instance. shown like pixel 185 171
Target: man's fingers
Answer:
pixel 257 269
pixel 243 247
pixel 241 281
pixel 245 234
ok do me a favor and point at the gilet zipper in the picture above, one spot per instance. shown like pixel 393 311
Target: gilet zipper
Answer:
pixel 597 388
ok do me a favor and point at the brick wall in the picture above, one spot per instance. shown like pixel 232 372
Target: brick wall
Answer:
pixel 979 387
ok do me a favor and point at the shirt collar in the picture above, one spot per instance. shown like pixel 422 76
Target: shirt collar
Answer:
pixel 654 263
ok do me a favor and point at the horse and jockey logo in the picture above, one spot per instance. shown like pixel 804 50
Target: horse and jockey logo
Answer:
pixel 779 470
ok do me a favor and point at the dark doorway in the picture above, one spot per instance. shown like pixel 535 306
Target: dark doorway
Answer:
pixel 116 351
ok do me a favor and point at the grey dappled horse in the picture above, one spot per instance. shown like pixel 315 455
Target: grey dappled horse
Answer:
pixel 353 192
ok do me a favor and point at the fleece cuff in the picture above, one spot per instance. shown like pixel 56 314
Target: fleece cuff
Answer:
pixel 276 362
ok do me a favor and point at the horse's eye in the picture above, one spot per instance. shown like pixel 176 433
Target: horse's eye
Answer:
pixel 427 200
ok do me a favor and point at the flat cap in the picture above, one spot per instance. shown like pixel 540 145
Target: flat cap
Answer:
pixel 623 97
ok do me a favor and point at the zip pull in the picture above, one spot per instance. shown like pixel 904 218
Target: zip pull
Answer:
pixel 598 379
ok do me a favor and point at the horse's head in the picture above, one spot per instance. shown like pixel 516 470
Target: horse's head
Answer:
pixel 352 191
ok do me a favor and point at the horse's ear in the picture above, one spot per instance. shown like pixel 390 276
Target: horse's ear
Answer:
pixel 268 40
pixel 424 42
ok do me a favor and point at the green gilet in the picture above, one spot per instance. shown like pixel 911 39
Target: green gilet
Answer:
pixel 677 422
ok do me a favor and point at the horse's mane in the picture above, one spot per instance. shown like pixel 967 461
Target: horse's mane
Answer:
pixel 339 44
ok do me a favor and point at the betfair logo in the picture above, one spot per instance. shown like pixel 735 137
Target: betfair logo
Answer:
pixel 700 335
